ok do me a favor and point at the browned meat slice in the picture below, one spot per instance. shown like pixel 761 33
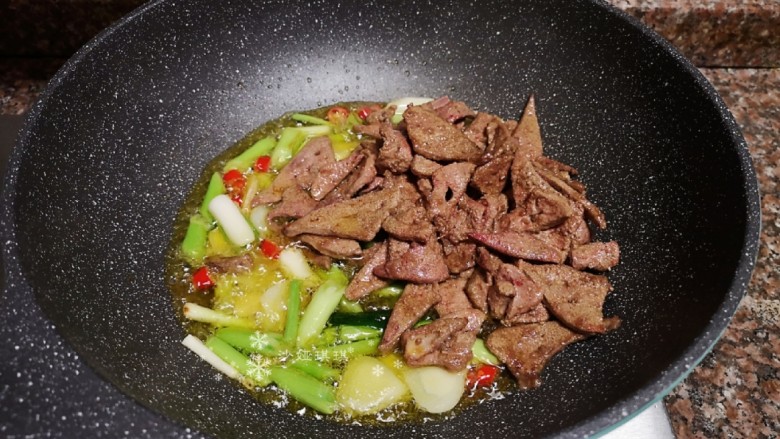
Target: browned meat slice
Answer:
pixel 555 166
pixel 521 245
pixel 230 264
pixel 537 315
pixel 365 281
pixel 534 197
pixel 512 281
pixel 477 289
pixel 295 203
pixel 330 175
pixel 454 111
pixel 599 256
pixel 446 342
pixel 381 115
pixel 490 178
pixel 483 213
pixel 357 218
pixel 360 177
pixel 556 239
pixel 511 291
pixel 575 227
pixel 476 130
pixel 449 185
pixel 300 170
pixel 338 248
pixel 371 130
pixel 409 222
pixel 459 257
pixel 488 261
pixel 414 262
pixel 526 349
pixel 436 139
pixel 395 153
pixel 455 225
pixel 517 221
pixel 423 167
pixel 452 296
pixel 527 131
pixel 497 304
pixel 575 297
pixel 414 302
pixel 376 183
pixel 564 187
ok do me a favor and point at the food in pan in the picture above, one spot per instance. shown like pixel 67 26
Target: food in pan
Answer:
pixel 383 261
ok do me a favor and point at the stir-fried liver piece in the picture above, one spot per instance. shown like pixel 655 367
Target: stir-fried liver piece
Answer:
pixel 599 256
pixel 295 203
pixel 464 208
pixel 477 288
pixel 365 281
pixel 230 264
pixel 575 297
pixel 329 176
pixel 301 170
pixel 452 296
pixel 339 248
pixel 423 167
pixel 527 131
pixel 446 342
pixel 414 302
pixel 521 245
pixel 356 218
pixel 526 349
pixel 437 139
pixel 414 262
pixel 363 175
pixel 453 111
pixel 395 154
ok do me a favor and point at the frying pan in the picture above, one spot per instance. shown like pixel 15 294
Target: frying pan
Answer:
pixel 125 128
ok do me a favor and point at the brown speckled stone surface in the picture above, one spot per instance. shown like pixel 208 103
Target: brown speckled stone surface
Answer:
pixel 715 33
pixel 735 391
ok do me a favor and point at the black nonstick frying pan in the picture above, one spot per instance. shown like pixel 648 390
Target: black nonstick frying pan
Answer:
pixel 124 129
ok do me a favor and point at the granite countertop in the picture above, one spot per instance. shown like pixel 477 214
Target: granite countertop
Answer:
pixel 735 391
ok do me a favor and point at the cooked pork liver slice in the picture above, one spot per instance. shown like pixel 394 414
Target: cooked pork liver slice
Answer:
pixel 437 139
pixel 575 297
pixel 414 262
pixel 301 170
pixel 338 248
pixel 365 281
pixel 446 342
pixel 414 302
pixel 356 218
pixel 599 256
pixel 526 349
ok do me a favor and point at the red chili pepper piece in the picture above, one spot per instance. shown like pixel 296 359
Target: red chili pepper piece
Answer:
pixel 365 111
pixel 337 113
pixel 234 180
pixel 269 249
pixel 201 279
pixel 236 197
pixel 482 376
pixel 263 163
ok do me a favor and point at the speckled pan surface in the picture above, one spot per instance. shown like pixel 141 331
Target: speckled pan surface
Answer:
pixel 122 132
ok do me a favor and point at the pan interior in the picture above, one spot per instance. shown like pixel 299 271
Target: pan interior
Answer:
pixel 124 130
